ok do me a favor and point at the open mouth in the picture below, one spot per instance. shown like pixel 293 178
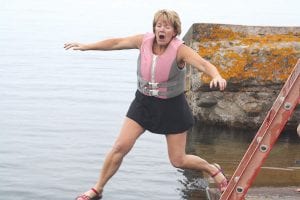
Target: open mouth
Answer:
pixel 161 36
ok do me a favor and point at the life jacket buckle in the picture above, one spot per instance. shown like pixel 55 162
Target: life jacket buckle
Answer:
pixel 153 92
pixel 153 85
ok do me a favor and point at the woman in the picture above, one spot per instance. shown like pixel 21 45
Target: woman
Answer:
pixel 159 105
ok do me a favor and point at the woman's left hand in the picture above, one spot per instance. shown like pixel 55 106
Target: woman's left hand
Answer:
pixel 218 81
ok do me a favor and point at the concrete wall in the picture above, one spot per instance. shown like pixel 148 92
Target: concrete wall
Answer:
pixel 255 61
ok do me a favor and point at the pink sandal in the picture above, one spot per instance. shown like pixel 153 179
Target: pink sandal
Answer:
pixel 223 185
pixel 86 197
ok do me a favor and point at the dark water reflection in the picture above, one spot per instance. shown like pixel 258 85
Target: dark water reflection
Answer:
pixel 227 147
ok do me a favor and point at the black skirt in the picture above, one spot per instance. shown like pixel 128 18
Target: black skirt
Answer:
pixel 162 116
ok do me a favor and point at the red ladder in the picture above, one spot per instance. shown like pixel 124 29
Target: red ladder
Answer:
pixel 265 138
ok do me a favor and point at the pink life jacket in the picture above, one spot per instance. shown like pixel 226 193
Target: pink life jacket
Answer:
pixel 159 75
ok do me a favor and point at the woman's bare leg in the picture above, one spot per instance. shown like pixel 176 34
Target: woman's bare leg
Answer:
pixel 129 133
pixel 179 159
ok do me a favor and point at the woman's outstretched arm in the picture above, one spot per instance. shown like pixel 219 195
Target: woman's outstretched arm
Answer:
pixel 131 42
pixel 188 55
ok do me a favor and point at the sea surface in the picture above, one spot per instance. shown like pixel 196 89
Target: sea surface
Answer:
pixel 60 111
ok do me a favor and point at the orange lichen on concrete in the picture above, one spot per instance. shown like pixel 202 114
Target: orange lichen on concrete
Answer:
pixel 219 33
pixel 265 58
pixel 265 39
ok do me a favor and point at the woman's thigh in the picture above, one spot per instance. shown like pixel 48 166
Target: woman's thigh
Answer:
pixel 176 145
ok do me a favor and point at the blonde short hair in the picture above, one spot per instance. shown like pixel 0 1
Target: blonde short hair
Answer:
pixel 170 16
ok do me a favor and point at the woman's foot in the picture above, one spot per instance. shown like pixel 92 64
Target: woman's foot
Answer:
pixel 220 178
pixel 92 194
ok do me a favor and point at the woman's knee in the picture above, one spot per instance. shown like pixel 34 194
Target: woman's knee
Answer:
pixel 120 148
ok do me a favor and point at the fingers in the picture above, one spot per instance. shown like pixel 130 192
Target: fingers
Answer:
pixel 218 82
pixel 213 83
pixel 222 85
pixel 68 45
pixel 73 45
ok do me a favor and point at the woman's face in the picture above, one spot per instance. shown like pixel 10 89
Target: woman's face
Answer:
pixel 164 31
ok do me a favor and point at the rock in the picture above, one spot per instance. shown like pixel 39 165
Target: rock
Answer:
pixel 207 101
pixel 255 61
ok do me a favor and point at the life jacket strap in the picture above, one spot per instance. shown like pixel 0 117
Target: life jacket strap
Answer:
pixel 153 89
pixel 153 85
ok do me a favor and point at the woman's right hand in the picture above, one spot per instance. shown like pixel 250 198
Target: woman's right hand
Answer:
pixel 75 46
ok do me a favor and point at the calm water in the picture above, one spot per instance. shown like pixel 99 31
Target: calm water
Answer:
pixel 60 111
